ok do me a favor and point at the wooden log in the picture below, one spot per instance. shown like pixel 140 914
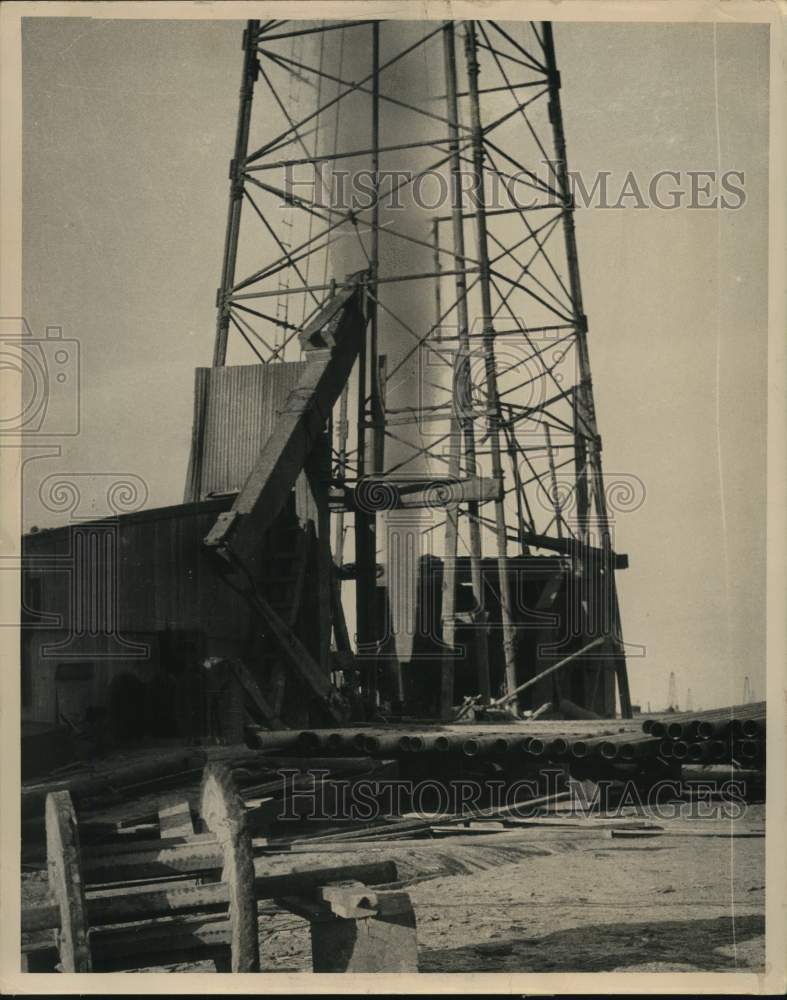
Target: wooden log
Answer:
pixel 107 910
pixel 104 869
pixel 224 814
pixel 119 776
pixel 125 845
pixel 65 882
pixel 184 939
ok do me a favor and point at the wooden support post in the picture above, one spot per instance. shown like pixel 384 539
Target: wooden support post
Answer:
pixel 318 476
pixel 269 711
pixel 224 814
pixel 302 661
pixel 65 882
pixel 354 929
pixel 216 921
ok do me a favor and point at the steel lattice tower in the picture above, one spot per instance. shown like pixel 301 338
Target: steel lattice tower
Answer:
pixel 507 429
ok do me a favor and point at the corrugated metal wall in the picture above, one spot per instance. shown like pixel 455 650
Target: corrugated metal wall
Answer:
pixel 235 409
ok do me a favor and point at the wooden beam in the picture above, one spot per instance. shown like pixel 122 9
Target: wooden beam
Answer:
pixel 549 670
pixel 331 344
pixel 252 689
pixel 301 660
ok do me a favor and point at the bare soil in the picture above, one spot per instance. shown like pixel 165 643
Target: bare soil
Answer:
pixel 558 900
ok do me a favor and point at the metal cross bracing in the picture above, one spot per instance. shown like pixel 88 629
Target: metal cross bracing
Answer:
pixel 432 156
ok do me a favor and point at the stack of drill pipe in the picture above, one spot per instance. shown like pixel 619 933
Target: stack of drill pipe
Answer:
pixel 394 739
pixel 748 720
pixel 734 734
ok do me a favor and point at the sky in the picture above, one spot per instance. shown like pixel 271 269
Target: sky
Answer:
pixel 128 129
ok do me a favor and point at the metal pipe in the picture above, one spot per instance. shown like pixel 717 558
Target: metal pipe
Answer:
pixel 748 749
pixel 608 750
pixel 237 167
pixel 474 747
pixel 462 427
pixel 365 521
pixel 708 728
pixel 493 400
pixel 557 747
pixel 388 744
pixel 707 750
pixel 588 437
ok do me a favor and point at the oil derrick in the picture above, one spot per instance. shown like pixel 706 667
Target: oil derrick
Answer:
pixel 672 695
pixel 463 503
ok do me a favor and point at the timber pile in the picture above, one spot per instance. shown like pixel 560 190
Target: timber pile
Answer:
pixel 131 798
pixel 193 896
pixel 154 874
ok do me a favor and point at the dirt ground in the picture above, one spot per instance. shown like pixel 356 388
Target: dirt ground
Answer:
pixel 561 900
pixel 581 905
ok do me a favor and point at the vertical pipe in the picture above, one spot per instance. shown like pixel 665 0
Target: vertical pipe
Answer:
pixel 461 419
pixel 377 417
pixel 488 335
pixel 553 483
pixel 584 404
pixel 438 304
pixel 236 192
pixel 341 434
pixel 520 514
pixel 365 543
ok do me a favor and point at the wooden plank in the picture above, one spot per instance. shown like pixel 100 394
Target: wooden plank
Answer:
pixel 302 661
pixel 252 689
pixel 385 942
pixel 65 883
pixel 174 817
pixel 303 547
pixel 300 423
